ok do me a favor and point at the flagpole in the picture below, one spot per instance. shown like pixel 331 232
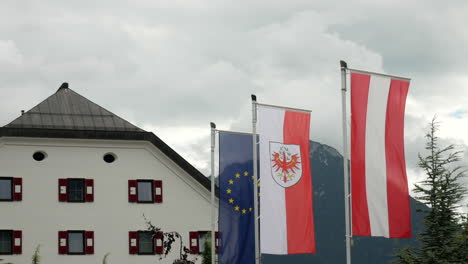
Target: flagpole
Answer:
pixel 255 179
pixel 344 66
pixel 213 231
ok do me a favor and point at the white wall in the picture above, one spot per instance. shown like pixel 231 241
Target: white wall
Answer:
pixel 186 205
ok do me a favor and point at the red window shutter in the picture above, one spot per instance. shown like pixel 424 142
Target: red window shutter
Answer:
pixel 132 191
pixel 89 242
pixel 216 241
pixel 17 189
pixel 194 247
pixel 159 243
pixel 17 241
pixel 89 190
pixel 133 242
pixel 158 191
pixel 63 242
pixel 63 189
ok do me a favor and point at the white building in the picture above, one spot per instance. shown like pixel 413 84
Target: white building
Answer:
pixel 76 180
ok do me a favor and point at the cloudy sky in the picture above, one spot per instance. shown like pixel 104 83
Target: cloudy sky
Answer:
pixel 173 66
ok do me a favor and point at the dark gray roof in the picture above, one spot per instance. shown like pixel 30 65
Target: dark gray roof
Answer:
pixel 66 109
pixel 67 114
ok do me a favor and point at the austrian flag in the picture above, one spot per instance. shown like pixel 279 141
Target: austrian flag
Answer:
pixel 379 188
pixel 286 222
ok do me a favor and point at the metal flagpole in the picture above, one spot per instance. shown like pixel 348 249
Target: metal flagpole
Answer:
pixel 213 231
pixel 255 172
pixel 344 66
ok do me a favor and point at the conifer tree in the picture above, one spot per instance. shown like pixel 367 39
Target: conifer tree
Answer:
pixel 461 241
pixel 36 258
pixel 206 255
pixel 442 192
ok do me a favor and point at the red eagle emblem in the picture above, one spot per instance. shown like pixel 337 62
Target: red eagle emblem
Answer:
pixel 286 166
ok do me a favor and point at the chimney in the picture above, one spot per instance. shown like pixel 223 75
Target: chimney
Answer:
pixel 63 86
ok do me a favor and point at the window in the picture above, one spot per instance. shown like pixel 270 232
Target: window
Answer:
pixel 145 191
pixel 76 242
pixel 10 242
pixel 198 239
pixel 11 189
pixel 145 243
pixel 6 245
pixel 202 237
pixel 6 189
pixel 76 190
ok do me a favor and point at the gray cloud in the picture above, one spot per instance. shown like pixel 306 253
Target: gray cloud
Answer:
pixel 173 66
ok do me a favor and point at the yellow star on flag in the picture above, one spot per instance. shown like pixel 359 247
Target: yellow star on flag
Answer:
pixel 236 208
pixel 237 175
pixel 244 211
pixel 231 182
pixel 253 178
pixel 231 200
pixel 250 209
pixel 246 173
pixel 228 191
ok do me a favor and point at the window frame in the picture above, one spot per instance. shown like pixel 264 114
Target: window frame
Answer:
pixel 69 190
pixel 205 237
pixel 152 243
pixel 11 189
pixel 82 232
pixel 152 192
pixel 11 242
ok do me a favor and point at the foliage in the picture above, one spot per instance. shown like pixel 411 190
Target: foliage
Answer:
pixel 406 256
pixel 36 258
pixel 461 240
pixel 442 192
pixel 206 255
pixel 169 239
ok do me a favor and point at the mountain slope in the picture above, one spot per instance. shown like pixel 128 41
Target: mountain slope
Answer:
pixel 328 186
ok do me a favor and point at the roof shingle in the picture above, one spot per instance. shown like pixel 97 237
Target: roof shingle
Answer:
pixel 66 114
pixel 67 109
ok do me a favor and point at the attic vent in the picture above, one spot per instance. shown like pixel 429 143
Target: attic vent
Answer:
pixel 109 157
pixel 39 155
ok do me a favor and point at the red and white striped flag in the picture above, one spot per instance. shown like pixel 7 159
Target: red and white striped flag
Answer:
pixel 287 221
pixel 379 188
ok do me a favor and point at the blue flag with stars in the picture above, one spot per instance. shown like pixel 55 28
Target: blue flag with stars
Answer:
pixel 236 207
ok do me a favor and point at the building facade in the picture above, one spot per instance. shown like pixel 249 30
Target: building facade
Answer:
pixel 79 181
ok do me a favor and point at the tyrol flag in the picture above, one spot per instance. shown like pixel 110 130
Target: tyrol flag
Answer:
pixel 286 214
pixel 379 188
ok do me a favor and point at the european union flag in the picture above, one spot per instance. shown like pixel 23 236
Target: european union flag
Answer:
pixel 236 207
